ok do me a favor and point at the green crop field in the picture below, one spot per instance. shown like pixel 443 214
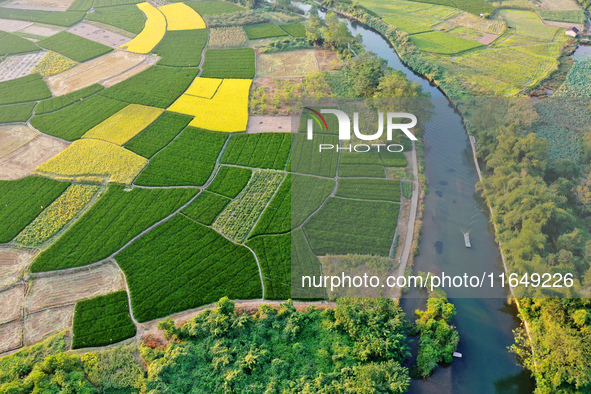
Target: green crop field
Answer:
pixel 240 216
pixel 574 16
pixel 229 181
pixel 304 262
pixel 261 150
pixel 102 320
pixel 112 222
pixel 74 121
pixel 156 87
pixel 475 7
pixel 206 207
pixel 386 159
pixel 60 18
pixel 125 17
pixel 405 25
pixel 16 112
pixel 362 170
pixel 306 159
pixel 274 254
pixel 188 161
pixel 59 102
pixel 11 44
pixel 74 47
pixel 182 265
pixel 528 24
pixel 229 63
pixel 29 88
pixel 182 48
pixel 263 30
pixel 295 29
pixel 345 226
pixel 443 43
pixel 85 5
pixel 159 134
pixel 207 7
pixel 23 200
pixel 369 189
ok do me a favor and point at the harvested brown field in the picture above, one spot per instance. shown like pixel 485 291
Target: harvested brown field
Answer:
pixel 26 159
pixel 12 303
pixel 70 288
pixel 291 64
pixel 113 29
pixel 17 66
pixel 487 39
pixel 11 26
pixel 11 336
pixel 46 5
pixel 327 59
pixel 42 30
pixel 12 137
pixel 566 25
pixel 227 37
pixel 99 35
pixel 40 325
pixel 560 5
pixel 150 61
pixel 13 263
pixel 269 124
pixel 94 71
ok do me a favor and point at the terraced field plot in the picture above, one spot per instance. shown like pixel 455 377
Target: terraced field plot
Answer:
pixel 227 37
pixel 60 18
pixel 53 63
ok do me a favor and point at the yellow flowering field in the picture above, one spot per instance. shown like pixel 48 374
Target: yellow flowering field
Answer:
pixel 54 217
pixel 152 34
pixel 125 124
pixel 226 111
pixel 182 17
pixel 53 63
pixel 204 87
pixel 94 161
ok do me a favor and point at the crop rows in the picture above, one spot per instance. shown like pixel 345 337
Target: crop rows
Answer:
pixel 240 216
pixel 206 207
pixel 29 88
pixel 182 48
pixel 102 320
pixel 227 37
pixel 306 159
pixel 475 7
pixel 229 63
pixel 57 215
pixel 362 170
pixel 443 43
pixel 11 44
pixel 384 158
pixel 574 16
pixel 152 33
pixel 261 150
pixel 345 226
pixel 303 262
pixel 274 254
pixel 125 124
pixel 73 121
pixel 125 17
pixel 112 222
pixel 23 200
pixel 295 29
pixel 94 161
pixel 180 16
pixel 158 134
pixel 188 161
pixel 60 18
pixel 182 265
pixel 369 189
pixel 209 7
pixel 229 181
pixel 59 102
pixel 74 47
pixel 263 30
pixel 16 112
pixel 155 87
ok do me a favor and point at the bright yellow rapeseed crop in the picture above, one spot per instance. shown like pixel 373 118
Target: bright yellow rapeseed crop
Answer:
pixel 53 63
pixel 94 160
pixel 57 215
pixel 204 87
pixel 181 17
pixel 226 111
pixel 152 33
pixel 125 124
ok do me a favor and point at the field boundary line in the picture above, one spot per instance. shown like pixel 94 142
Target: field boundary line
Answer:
pixel 266 206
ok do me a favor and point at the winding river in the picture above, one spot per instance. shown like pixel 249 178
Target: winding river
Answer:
pixel 452 207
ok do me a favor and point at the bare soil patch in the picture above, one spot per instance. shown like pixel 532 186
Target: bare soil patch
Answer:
pixel 149 62
pixel 560 5
pixel 12 137
pixel 327 59
pixel 269 124
pixel 47 5
pixel 11 336
pixel 12 303
pixel 113 29
pixel 93 71
pixel 487 39
pixel 42 30
pixel 26 159
pixel 13 263
pixel 11 25
pixel 17 66
pixel 70 288
pixel 287 64
pixel 42 324
pixel 99 35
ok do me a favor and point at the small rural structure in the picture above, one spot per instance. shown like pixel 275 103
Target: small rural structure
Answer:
pixel 572 32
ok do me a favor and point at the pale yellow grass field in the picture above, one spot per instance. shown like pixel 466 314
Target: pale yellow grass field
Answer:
pixel 40 325
pixel 12 303
pixel 12 137
pixel 11 336
pixel 13 263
